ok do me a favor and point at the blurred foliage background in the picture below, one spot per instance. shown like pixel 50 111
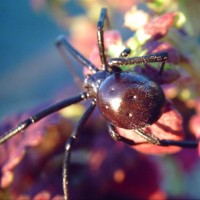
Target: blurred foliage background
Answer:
pixel 32 71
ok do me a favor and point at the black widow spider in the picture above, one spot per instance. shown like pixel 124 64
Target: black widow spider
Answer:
pixel 126 99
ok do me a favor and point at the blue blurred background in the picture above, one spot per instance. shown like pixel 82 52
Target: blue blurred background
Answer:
pixel 31 70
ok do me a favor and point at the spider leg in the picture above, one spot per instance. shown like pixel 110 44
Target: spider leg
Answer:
pixel 154 140
pixel 150 138
pixel 100 35
pixel 125 52
pixel 69 65
pixel 62 41
pixel 183 143
pixel 161 68
pixel 40 115
pixel 156 57
pixel 115 136
pixel 68 147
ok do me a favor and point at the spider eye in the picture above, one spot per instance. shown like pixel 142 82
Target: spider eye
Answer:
pixel 130 100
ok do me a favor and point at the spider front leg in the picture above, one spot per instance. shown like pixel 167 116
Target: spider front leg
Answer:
pixel 100 35
pixel 151 58
pixel 40 115
pixel 62 42
pixel 68 147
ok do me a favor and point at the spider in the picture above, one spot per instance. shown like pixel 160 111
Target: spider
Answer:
pixel 122 98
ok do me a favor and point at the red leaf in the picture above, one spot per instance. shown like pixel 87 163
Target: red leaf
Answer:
pixel 42 195
pixel 155 46
pixel 14 150
pixel 158 27
pixel 194 125
pixel 122 171
pixel 167 76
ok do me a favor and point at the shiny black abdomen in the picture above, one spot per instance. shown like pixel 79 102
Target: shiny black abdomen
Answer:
pixel 130 100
